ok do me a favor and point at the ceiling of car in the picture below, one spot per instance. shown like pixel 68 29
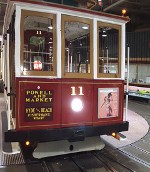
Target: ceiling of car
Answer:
pixel 137 10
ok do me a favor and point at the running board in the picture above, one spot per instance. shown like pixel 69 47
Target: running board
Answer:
pixel 65 147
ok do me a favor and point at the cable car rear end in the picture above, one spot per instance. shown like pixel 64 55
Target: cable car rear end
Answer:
pixel 64 76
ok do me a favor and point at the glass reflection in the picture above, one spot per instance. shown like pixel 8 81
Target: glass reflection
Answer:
pixel 38 44
pixel 77 47
pixel 108 50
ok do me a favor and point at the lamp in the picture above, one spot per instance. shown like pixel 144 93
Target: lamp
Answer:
pixel 104 33
pixel 124 11
pixel 50 26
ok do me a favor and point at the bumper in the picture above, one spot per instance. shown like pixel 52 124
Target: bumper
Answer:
pixel 70 134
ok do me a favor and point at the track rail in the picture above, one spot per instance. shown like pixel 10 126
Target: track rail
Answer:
pixel 93 161
pixel 84 162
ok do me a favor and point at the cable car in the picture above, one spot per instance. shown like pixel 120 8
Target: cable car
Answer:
pixel 64 71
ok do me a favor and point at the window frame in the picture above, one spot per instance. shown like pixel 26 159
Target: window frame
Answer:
pixel 113 26
pixel 25 13
pixel 68 18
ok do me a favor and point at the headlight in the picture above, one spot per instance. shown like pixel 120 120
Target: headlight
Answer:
pixel 76 105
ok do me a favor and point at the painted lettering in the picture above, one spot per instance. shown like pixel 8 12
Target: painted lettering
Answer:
pixel 46 109
pixel 30 110
pixel 35 100
pixel 73 91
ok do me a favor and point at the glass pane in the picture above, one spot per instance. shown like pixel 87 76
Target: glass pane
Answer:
pixel 108 50
pixel 77 47
pixel 38 44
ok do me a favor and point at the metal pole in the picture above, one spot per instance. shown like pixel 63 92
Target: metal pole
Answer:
pixel 71 64
pixel 107 60
pixel 127 85
pixel 67 49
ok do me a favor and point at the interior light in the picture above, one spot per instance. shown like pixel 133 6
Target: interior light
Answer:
pixel 50 27
pixel 76 105
pixel 104 33
pixel 85 27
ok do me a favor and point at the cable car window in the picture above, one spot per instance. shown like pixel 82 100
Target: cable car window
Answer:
pixel 39 42
pixel 76 47
pixel 108 50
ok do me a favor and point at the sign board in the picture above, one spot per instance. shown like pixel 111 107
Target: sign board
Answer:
pixel 37 65
pixel 38 105
pixel 108 102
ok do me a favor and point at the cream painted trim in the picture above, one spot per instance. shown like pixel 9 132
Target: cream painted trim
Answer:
pixel 123 48
pixel 59 46
pixel 95 48
pixel 17 42
pixel 8 80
